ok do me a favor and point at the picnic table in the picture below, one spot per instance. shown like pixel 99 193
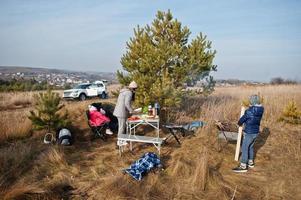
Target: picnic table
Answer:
pixel 135 121
pixel 131 127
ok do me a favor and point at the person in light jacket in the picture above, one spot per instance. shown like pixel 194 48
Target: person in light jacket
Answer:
pixel 251 119
pixel 123 106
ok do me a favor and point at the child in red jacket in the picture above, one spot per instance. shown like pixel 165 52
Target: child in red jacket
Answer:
pixel 97 118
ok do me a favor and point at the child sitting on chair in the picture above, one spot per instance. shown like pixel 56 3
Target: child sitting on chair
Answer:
pixel 98 118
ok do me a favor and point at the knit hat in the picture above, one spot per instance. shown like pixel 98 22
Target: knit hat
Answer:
pixel 133 85
pixel 254 99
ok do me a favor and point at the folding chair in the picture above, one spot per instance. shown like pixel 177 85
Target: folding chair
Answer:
pixel 227 130
pixel 183 130
pixel 98 131
pixel 109 108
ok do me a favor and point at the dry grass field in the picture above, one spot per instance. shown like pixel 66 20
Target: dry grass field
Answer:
pixel 198 169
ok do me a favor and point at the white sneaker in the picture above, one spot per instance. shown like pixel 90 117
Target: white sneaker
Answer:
pixel 241 168
pixel 102 111
pixel 251 164
pixel 109 132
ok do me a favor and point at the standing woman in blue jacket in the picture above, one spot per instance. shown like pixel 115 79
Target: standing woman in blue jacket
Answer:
pixel 251 119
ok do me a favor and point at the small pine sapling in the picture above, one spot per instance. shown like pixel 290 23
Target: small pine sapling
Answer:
pixel 291 114
pixel 47 112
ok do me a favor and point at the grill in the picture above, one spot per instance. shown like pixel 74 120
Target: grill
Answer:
pixel 66 94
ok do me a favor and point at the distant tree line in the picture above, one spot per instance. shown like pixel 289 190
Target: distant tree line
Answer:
pixel 232 81
pixel 15 85
pixel 280 81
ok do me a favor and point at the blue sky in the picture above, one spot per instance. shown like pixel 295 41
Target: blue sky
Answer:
pixel 255 40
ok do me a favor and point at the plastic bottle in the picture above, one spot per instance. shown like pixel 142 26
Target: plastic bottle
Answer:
pixel 150 110
pixel 157 108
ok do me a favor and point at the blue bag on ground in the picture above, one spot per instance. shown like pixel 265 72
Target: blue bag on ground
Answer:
pixel 194 125
pixel 143 165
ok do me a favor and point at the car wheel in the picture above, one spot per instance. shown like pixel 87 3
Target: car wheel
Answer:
pixel 103 95
pixel 82 97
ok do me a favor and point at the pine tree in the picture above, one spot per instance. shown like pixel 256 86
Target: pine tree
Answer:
pixel 47 114
pixel 291 114
pixel 160 59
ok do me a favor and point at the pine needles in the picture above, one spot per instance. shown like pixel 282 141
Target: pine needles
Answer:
pixel 47 114
pixel 291 114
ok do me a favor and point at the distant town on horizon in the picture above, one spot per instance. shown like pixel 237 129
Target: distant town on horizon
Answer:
pixel 62 77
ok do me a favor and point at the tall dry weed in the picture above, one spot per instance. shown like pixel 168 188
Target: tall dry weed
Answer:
pixel 16 100
pixel 11 160
pixel 198 169
pixel 202 171
pixel 50 177
pixel 14 125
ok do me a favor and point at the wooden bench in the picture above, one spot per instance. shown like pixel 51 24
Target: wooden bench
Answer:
pixel 156 141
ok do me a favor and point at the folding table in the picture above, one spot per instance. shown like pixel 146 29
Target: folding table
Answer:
pixel 131 126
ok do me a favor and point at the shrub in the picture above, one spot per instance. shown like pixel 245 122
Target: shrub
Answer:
pixel 291 114
pixel 47 112
pixel 24 85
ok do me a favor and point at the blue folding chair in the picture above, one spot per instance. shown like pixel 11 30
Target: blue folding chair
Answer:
pixel 183 130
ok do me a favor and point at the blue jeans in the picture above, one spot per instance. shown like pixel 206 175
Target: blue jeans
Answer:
pixel 248 148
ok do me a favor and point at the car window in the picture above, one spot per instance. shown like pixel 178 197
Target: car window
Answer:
pixel 81 86
pixel 99 85
pixel 93 86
